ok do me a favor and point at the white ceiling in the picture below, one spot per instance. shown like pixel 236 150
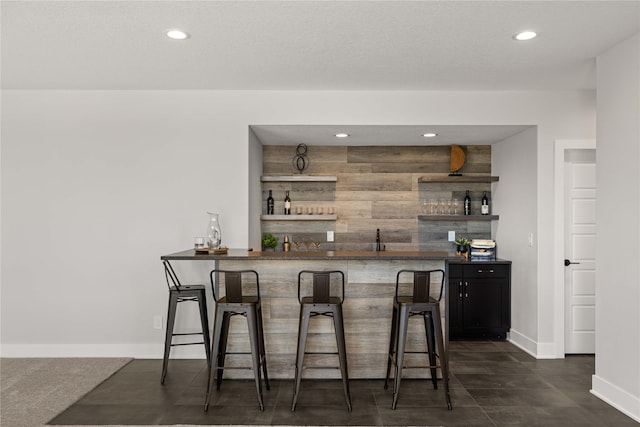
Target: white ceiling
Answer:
pixel 314 45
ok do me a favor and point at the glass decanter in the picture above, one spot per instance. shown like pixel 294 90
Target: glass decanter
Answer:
pixel 214 233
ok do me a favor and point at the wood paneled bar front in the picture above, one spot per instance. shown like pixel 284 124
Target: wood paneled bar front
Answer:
pixel 370 287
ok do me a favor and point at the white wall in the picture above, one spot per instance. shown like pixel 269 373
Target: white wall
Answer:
pixel 617 377
pixel 514 198
pixel 96 185
pixel 255 191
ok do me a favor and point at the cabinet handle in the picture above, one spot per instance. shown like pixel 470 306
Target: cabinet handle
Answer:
pixel 466 285
pixel 460 287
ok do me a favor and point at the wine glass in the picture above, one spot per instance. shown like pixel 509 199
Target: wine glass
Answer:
pixel 456 205
pixel 449 203
pixel 433 207
pixel 442 207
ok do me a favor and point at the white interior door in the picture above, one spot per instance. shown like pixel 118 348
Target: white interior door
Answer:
pixel 580 250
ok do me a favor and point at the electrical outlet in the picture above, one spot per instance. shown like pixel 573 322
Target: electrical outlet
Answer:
pixel 329 236
pixel 452 236
pixel 157 322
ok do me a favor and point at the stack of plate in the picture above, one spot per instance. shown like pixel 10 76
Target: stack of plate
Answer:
pixel 483 249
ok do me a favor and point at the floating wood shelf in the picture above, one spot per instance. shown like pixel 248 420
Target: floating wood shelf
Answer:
pixel 299 178
pixel 457 179
pixel 454 218
pixel 298 217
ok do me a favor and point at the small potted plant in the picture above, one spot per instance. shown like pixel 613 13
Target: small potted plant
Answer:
pixel 462 244
pixel 269 242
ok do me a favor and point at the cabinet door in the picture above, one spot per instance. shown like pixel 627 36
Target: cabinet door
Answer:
pixel 482 306
pixel 454 301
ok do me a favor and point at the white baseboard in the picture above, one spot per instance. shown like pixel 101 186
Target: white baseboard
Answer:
pixel 522 342
pixel 136 351
pixel 620 399
pixel 535 349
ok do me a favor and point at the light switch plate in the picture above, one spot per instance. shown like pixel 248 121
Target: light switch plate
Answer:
pixel 329 236
pixel 452 236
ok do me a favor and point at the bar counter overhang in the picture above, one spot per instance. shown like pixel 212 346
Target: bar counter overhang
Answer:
pixel 248 255
pixel 370 288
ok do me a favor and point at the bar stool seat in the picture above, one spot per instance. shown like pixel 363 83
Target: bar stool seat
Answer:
pixel 179 293
pixel 418 303
pixel 321 303
pixel 236 303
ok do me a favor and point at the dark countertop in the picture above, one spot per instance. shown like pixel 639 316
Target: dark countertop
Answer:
pixel 464 261
pixel 243 254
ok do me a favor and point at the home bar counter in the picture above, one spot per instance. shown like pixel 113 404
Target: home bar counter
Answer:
pixel 369 291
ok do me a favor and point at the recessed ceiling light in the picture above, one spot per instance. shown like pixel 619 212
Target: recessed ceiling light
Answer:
pixel 342 135
pixel 429 135
pixel 525 35
pixel 177 34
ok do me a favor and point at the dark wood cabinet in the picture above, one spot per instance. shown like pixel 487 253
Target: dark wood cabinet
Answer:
pixel 479 299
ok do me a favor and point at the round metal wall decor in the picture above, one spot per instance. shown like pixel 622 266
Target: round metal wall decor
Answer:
pixel 300 160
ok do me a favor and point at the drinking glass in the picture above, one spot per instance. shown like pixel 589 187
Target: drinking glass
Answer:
pixel 433 207
pixel 456 205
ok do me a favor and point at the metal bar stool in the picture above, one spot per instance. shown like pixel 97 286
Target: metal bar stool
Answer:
pixel 418 303
pixel 236 303
pixel 321 303
pixel 180 293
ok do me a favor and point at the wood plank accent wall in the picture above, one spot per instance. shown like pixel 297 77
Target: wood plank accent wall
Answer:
pixel 377 187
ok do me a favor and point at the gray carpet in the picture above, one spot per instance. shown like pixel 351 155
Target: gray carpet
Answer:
pixel 35 390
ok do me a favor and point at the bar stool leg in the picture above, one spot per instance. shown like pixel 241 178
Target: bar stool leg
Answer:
pixel 444 355
pixel 303 328
pixel 431 347
pixel 171 317
pixel 221 355
pixel 338 325
pixel 263 351
pixel 252 324
pixel 392 344
pixel 215 345
pixel 204 320
pixel 403 320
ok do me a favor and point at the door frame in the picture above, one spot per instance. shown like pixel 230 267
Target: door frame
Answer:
pixel 561 146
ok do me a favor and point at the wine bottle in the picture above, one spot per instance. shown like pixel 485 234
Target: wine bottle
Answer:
pixel 287 204
pixel 378 240
pixel 485 204
pixel 270 203
pixel 467 204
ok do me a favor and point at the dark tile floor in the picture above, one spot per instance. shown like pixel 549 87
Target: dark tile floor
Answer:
pixel 492 384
